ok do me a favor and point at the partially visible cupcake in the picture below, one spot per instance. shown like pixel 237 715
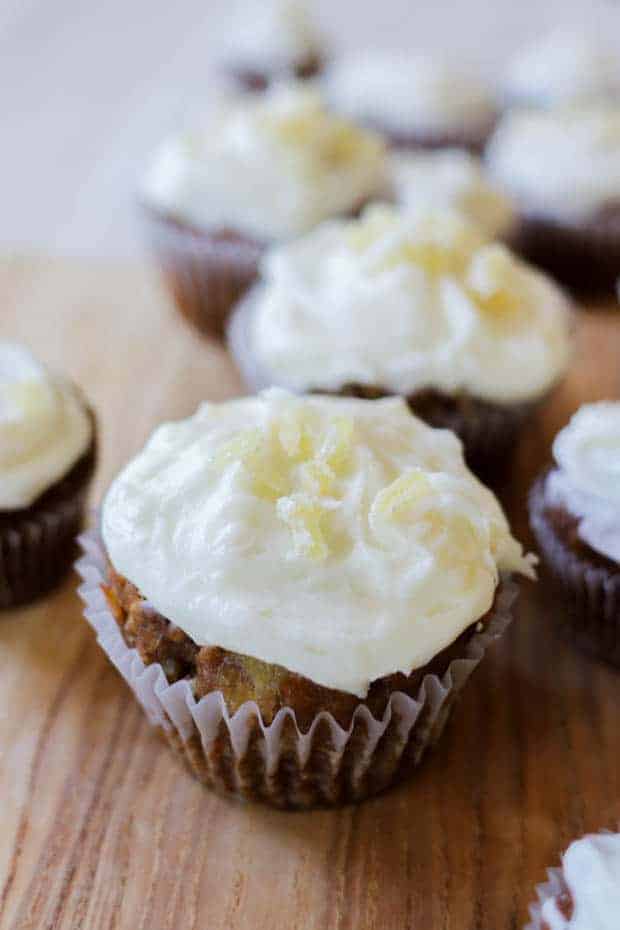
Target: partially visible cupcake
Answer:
pixel 47 457
pixel 565 67
pixel 455 179
pixel 269 41
pixel 416 101
pixel 575 516
pixel 584 894
pixel 562 168
pixel 419 305
pixel 298 588
pixel 266 168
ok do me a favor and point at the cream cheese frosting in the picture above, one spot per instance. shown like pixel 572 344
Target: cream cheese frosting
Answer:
pixel 563 164
pixel 408 302
pixel 591 871
pixel 44 427
pixel 342 539
pixel 567 66
pixel 451 178
pixel 271 36
pixel 586 481
pixel 270 166
pixel 413 94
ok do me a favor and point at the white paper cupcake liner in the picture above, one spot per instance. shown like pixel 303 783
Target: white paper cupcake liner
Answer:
pixel 278 764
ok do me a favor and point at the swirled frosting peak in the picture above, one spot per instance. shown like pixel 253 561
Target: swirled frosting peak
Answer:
pixel 270 166
pixel 404 303
pixel 587 478
pixel 343 539
pixel 44 427
pixel 270 35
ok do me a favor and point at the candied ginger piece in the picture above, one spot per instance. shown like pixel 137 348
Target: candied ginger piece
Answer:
pixel 303 516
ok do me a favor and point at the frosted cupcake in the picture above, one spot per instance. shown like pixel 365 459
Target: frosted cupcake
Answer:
pixel 575 515
pixel 47 457
pixel 562 168
pixel 267 168
pixel 424 306
pixel 269 41
pixel 584 894
pixel 565 67
pixel 298 588
pixel 414 100
pixel 454 179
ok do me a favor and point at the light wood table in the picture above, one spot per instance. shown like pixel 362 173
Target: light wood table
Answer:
pixel 102 828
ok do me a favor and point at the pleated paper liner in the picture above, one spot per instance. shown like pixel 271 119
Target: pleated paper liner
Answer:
pixel 588 595
pixel 277 764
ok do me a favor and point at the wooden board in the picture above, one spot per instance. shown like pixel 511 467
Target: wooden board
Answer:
pixel 102 828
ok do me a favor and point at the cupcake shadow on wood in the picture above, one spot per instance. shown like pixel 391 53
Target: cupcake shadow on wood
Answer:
pixel 288 668
pixel 47 459
pixel 423 306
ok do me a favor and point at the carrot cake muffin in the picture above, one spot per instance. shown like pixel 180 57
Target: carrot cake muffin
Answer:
pixel 565 67
pixel 47 457
pixel 455 179
pixel 311 571
pixel 271 40
pixel 416 101
pixel 420 305
pixel 268 167
pixel 562 168
pixel 584 894
pixel 575 516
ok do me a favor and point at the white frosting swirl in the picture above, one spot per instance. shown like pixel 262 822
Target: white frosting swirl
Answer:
pixel 270 166
pixel 44 427
pixel 587 479
pixel 408 94
pixel 407 302
pixel 451 178
pixel 563 164
pixel 591 870
pixel 342 539
pixel 564 67
pixel 270 36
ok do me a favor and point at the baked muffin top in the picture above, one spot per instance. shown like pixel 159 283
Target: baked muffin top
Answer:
pixel 586 481
pixel 561 164
pixel 342 539
pixel 566 66
pixel 405 303
pixel 591 876
pixel 44 427
pixel 451 178
pixel 408 94
pixel 267 165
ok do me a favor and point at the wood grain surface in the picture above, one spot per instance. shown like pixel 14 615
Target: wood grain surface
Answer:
pixel 102 828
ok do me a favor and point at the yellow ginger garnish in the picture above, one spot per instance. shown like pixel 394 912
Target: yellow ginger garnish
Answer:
pixel 266 468
pixel 401 493
pixel 28 396
pixel 493 279
pixel 304 515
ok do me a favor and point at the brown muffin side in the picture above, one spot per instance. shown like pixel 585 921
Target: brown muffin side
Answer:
pixel 241 678
pixel 37 543
pixel 251 79
pixel 473 139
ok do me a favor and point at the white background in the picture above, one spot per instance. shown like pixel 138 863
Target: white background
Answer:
pixel 87 87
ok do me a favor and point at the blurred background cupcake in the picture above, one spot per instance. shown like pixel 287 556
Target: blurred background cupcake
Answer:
pixel 415 100
pixel 566 67
pixel 270 40
pixel 584 893
pixel 575 516
pixel 264 169
pixel 562 168
pixel 47 458
pixel 314 579
pixel 422 305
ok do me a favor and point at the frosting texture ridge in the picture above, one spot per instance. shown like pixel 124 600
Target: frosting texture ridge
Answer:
pixel 342 539
pixel 271 166
pixel 404 303
pixel 587 478
pixel 44 427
